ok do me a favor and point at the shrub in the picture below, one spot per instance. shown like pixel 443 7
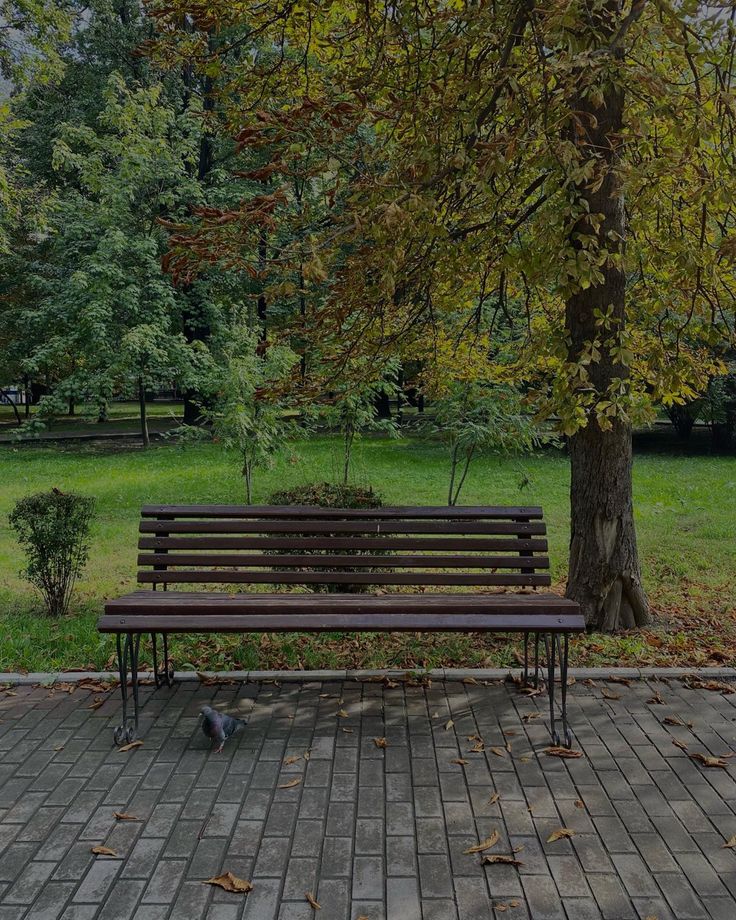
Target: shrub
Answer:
pixel 331 495
pixel 53 529
pixel 328 495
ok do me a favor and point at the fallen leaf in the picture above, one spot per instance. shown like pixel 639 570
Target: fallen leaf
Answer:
pixel 656 699
pixel 514 903
pixel 313 902
pixel 499 752
pixel 59 747
pixel 380 742
pixel 610 695
pixel 103 851
pixel 613 679
pixel 477 748
pixel 518 848
pixel 530 716
pixel 307 754
pixel 716 686
pixel 555 751
pixel 500 907
pixel 342 713
pixel 129 747
pixel 491 858
pixel 390 684
pixel 469 680
pixel 293 759
pixel 484 844
pixel 448 725
pixel 124 816
pixel 230 882
pixel 731 843
pixel 579 803
pixel 494 798
pixel 348 731
pixel 709 761
pixel 679 744
pixel 560 833
pixel 291 783
pixel 95 686
pixel 460 761
pixel 673 720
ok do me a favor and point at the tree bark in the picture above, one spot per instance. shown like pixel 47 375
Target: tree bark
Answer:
pixel 144 416
pixel 605 574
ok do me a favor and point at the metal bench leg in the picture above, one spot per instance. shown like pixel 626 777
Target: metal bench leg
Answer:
pixel 562 649
pixel 549 647
pixel 164 674
pixel 127 651
pixel 536 661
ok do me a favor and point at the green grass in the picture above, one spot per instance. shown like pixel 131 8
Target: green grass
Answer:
pixel 684 511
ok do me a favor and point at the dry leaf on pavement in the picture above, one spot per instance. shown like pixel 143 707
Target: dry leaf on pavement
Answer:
pixel 555 751
pixel 313 902
pixel 291 783
pixel 230 882
pixel 493 858
pixel 561 833
pixel 103 851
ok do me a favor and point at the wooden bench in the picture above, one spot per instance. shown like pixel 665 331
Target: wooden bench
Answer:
pixel 462 569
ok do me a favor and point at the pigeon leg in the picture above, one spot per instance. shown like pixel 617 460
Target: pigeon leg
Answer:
pixel 219 749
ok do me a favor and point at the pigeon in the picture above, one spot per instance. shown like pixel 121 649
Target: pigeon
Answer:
pixel 219 726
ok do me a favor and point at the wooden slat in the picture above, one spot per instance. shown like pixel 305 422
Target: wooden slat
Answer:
pixel 392 544
pixel 285 560
pixel 357 527
pixel 442 512
pixel 372 622
pixel 228 576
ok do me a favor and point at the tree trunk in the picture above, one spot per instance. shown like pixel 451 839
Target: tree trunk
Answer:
pixel 144 417
pixel 605 575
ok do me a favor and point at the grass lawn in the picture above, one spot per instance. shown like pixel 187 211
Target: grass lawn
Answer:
pixel 684 508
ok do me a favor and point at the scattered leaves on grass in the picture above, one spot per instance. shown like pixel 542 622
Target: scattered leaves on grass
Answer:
pixel 312 901
pixel 291 783
pixel 230 882
pixel 103 851
pixel 380 742
pixel 124 816
pixel 130 746
pixel 730 843
pixel 484 844
pixel 709 761
pixel 489 859
pixel 560 834
pixel 556 751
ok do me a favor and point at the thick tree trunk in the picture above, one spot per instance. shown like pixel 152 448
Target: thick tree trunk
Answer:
pixel 604 576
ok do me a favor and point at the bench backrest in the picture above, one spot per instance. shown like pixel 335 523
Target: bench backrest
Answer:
pixel 300 545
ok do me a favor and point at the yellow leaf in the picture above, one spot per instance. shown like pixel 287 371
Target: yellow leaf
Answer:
pixel 731 843
pixel 484 844
pixel 230 882
pixel 448 725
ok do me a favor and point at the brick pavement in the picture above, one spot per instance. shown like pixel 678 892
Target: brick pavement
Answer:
pixel 373 832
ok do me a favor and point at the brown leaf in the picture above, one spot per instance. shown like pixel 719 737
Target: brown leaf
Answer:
pixel 477 748
pixel 103 851
pixel 313 902
pixel 380 742
pixel 530 716
pixel 499 752
pixel 673 720
pixel 484 844
pixel 500 907
pixel 709 761
pixel 716 686
pixel 95 704
pixel 656 699
pixel 614 679
pixel 291 783
pixel 95 686
pixel 124 816
pixel 129 747
pixel 230 882
pixel 460 761
pixel 610 695
pixel 494 798
pixel 342 713
pixel 679 744
pixel 579 803
pixel 469 680
pixel 555 751
pixel 731 843
pixel 518 848
pixel 491 858
pixel 290 760
pixel 560 833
